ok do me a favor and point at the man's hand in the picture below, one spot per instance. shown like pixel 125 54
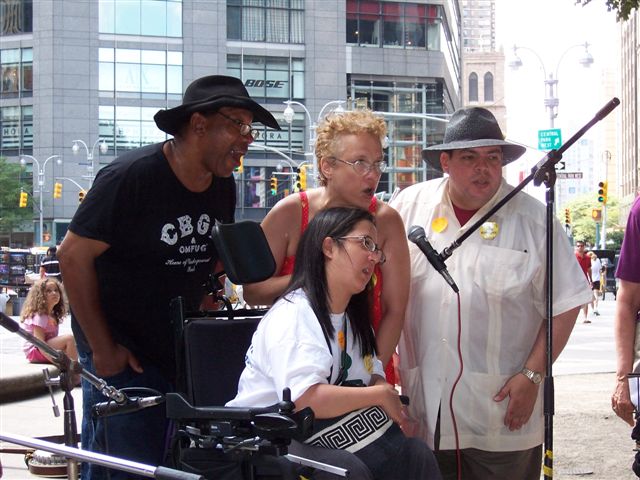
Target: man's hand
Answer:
pixel 522 394
pixel 621 401
pixel 114 361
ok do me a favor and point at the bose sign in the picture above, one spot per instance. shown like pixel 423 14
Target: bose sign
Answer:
pixel 264 83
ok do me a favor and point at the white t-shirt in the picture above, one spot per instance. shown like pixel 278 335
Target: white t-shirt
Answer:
pixel 596 266
pixel 500 271
pixel 289 350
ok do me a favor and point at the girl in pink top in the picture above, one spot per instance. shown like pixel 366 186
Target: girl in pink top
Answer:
pixel 41 315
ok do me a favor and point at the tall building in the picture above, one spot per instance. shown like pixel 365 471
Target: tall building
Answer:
pixel 628 138
pixel 482 65
pixel 97 71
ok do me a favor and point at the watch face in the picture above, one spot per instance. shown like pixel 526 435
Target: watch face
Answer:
pixel 536 378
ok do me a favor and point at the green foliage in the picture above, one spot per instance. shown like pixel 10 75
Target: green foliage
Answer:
pixel 12 180
pixel 583 226
pixel 623 8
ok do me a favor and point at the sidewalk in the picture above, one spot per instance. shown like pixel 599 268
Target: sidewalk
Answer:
pixel 20 379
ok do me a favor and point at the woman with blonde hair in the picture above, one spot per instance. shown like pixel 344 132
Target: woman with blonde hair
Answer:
pixel 349 151
pixel 43 311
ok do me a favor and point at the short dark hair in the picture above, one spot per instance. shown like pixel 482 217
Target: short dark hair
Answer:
pixel 309 273
pixel 52 250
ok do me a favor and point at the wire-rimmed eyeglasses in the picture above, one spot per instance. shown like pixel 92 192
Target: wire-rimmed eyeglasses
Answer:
pixel 245 129
pixel 362 167
pixel 368 244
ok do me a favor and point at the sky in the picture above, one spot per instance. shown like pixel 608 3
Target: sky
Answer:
pixel 552 28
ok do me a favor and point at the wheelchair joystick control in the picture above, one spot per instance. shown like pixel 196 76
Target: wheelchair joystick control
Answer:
pixel 286 406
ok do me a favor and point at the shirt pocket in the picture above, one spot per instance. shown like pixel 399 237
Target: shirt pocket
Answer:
pixel 504 272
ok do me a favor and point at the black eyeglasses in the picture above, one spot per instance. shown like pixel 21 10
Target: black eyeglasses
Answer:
pixel 362 168
pixel 368 244
pixel 245 129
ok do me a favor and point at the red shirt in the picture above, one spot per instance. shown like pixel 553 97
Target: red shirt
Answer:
pixel 585 263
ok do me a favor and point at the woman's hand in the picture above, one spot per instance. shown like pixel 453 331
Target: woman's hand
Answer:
pixel 389 401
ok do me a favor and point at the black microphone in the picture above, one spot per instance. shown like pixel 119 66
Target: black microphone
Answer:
pixel 417 236
pixel 106 409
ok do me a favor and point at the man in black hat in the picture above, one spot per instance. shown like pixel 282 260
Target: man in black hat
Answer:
pixel 141 237
pixel 498 328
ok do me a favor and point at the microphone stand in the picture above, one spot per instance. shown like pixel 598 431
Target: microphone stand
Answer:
pixel 543 172
pixel 67 369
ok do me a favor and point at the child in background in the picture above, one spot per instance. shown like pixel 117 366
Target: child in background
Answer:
pixel 42 312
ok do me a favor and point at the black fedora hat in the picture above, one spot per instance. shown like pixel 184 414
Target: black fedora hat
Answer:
pixel 468 128
pixel 208 94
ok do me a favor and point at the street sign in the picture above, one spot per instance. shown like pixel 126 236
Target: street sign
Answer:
pixel 568 175
pixel 549 139
pixel 561 165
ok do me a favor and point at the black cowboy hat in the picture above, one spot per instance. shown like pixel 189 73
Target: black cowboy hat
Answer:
pixel 208 94
pixel 468 128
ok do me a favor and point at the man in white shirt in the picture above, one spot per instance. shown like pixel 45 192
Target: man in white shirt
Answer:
pixel 500 270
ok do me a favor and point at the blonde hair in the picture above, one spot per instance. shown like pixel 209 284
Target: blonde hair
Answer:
pixel 36 301
pixel 333 126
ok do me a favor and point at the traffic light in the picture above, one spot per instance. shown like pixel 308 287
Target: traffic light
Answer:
pixel 240 168
pixel 23 199
pixel 567 216
pixel 274 186
pixel 81 195
pixel 297 187
pixel 57 190
pixel 303 177
pixel 602 192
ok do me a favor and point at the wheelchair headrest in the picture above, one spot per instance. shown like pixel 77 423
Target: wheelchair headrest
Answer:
pixel 245 252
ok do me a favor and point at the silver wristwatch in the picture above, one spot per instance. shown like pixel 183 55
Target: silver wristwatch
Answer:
pixel 535 377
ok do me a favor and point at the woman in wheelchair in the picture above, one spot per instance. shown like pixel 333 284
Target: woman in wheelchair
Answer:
pixel 317 340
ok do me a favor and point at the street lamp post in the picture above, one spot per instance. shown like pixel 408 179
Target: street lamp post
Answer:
pixel 90 155
pixel 40 181
pixel 551 100
pixel 288 117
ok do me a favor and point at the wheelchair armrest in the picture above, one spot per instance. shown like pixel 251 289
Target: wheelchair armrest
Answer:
pixel 179 409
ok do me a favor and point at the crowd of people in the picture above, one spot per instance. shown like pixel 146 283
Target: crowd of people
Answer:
pixel 356 311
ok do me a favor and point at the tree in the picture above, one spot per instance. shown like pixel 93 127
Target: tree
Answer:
pixel 11 183
pixel 623 8
pixel 583 226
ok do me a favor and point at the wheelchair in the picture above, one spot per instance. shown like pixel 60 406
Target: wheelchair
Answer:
pixel 220 442
pixel 223 442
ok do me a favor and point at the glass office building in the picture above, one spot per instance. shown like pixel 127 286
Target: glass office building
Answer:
pixel 99 70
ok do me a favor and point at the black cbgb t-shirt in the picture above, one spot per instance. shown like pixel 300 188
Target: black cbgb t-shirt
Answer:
pixel 159 234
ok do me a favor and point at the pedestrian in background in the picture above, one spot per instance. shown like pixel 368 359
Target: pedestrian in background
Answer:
pixel 349 150
pixel 50 266
pixel 584 261
pixel 627 317
pixel 596 278
pixel 42 312
pixel 499 326
pixel 141 237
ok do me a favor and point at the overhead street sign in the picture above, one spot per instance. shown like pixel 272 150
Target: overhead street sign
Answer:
pixel 561 165
pixel 549 139
pixel 568 175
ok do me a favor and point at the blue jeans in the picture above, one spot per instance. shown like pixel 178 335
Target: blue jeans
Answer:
pixel 139 436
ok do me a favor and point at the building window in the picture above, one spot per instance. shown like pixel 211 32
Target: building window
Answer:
pixel 393 24
pixel 131 73
pixel 473 87
pixel 407 135
pixel 488 87
pixel 158 18
pixel 16 130
pixel 269 78
pixel 16 17
pixel 16 72
pixel 126 128
pixel 274 21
